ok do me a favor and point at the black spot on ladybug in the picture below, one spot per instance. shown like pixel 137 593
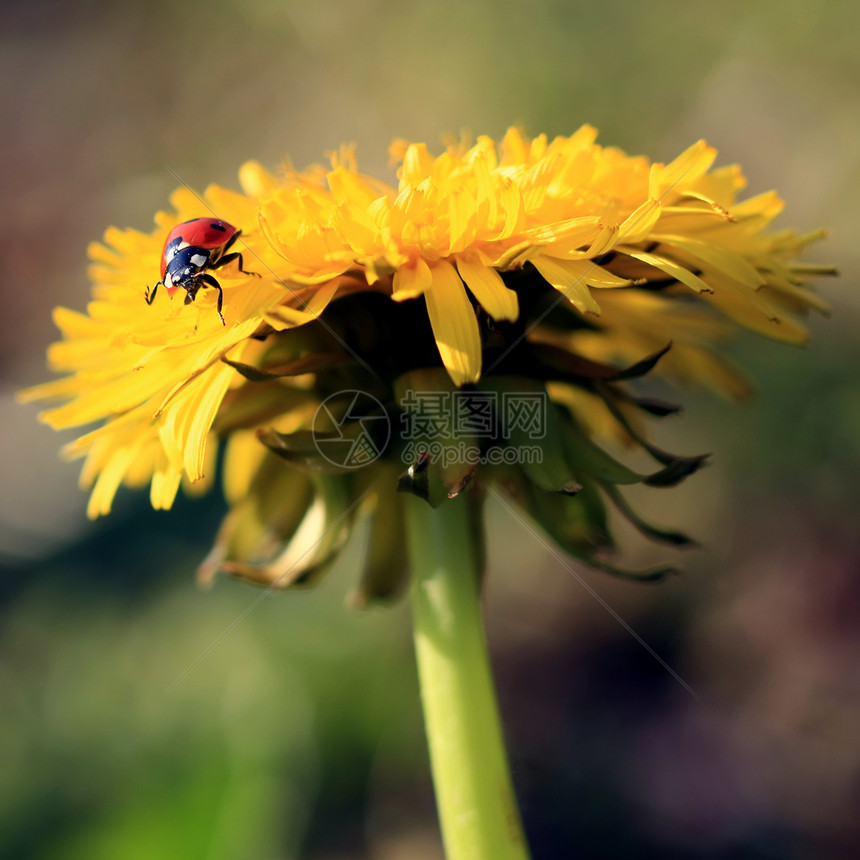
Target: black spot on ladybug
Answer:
pixel 220 227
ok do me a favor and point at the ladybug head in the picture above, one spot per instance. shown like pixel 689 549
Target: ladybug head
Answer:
pixel 185 268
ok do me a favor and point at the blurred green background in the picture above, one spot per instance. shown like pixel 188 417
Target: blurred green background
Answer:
pixel 299 733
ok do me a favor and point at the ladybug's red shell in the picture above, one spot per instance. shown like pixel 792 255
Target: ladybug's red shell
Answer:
pixel 207 233
pixel 193 250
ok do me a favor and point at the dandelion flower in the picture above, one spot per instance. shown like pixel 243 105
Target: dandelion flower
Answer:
pixel 479 323
pixel 557 268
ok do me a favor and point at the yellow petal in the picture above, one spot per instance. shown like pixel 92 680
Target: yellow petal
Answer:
pixel 411 280
pixel 674 270
pixel 283 316
pixel 489 289
pixel 728 262
pixel 255 180
pixel 347 186
pixel 417 164
pixel 593 275
pixel 752 310
pixel 455 328
pixel 110 478
pixel 639 223
pixel 572 233
pixel 165 484
pixel 510 200
pixel 685 170
pixel 514 147
pixel 568 280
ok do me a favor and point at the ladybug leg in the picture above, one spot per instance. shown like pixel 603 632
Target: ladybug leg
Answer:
pixel 231 241
pixel 149 293
pixel 209 281
pixel 231 258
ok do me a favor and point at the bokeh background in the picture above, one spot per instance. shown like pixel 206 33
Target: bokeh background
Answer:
pixel 299 733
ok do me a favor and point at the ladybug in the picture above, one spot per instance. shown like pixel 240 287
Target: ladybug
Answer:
pixel 189 250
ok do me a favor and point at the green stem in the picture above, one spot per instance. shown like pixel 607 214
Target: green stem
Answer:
pixel 474 792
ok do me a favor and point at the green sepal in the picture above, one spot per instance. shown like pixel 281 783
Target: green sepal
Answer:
pixel 422 479
pixel 311 363
pixel 641 368
pixel 314 544
pixel 551 471
pixel 447 475
pixel 657 408
pixel 251 405
pixel 649 575
pixel 577 524
pixel 588 458
pixel 670 536
pixel 300 447
pixel 258 526
pixel 386 564
pixel 677 467
pixel 330 451
pixel 564 365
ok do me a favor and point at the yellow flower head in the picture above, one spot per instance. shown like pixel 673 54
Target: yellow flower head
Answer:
pixel 588 219
pixel 524 265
